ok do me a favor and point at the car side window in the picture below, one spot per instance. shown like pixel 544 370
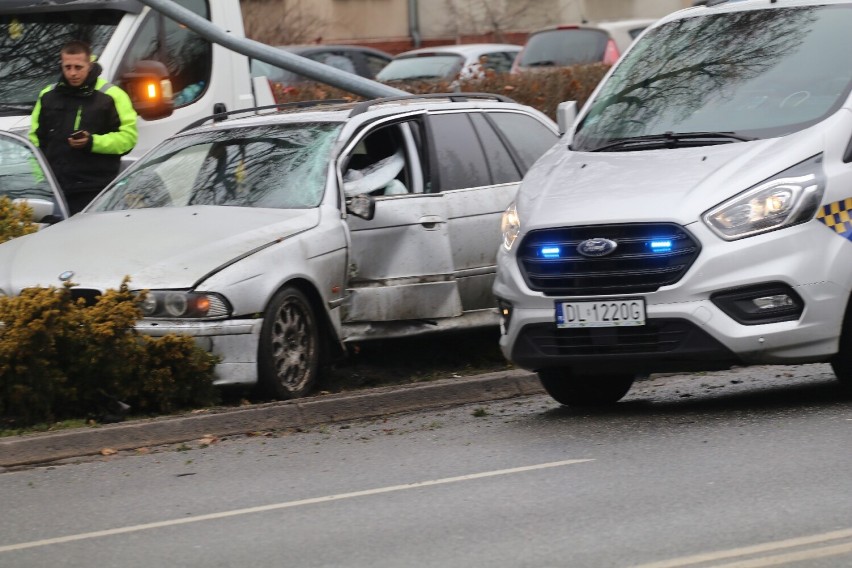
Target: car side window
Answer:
pixel 499 62
pixel 21 176
pixel 374 64
pixel 498 158
pixel 527 136
pixel 378 165
pixel 187 56
pixel 335 59
pixel 459 158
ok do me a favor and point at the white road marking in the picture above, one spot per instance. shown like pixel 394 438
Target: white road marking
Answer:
pixel 787 558
pixel 284 505
pixel 765 548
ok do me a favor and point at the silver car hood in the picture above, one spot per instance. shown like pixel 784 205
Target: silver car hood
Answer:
pixel 657 185
pixel 157 248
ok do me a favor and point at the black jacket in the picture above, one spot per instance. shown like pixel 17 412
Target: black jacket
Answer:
pixel 102 109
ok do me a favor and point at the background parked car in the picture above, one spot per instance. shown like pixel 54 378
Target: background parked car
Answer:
pixel 450 62
pixel 363 61
pixel 561 46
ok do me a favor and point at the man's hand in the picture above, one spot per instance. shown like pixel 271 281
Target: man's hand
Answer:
pixel 79 139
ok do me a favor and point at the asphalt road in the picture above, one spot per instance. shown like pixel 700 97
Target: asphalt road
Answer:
pixel 744 468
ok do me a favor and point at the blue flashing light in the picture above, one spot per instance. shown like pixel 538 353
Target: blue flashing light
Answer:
pixel 550 252
pixel 663 245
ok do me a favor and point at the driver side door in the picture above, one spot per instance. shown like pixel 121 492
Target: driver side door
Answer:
pixel 400 263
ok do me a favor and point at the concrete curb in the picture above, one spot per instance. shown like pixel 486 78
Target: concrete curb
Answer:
pixel 370 403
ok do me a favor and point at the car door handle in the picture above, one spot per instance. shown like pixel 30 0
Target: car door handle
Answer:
pixel 430 222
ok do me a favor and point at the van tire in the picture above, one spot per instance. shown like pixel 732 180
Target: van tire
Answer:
pixel 289 348
pixel 841 362
pixel 572 389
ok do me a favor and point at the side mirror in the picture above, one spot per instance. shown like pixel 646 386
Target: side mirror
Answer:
pixel 150 89
pixel 363 206
pixel 44 210
pixel 566 114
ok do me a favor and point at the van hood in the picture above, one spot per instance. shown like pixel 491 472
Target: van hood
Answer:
pixel 158 248
pixel 667 185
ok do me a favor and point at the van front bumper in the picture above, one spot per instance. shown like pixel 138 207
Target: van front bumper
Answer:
pixel 684 329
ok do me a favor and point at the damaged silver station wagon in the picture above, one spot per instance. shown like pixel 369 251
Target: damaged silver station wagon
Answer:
pixel 273 237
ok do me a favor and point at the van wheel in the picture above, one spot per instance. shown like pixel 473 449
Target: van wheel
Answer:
pixel 289 349
pixel 573 389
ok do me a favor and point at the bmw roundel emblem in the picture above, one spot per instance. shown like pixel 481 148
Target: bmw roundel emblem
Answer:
pixel 597 247
pixel 66 276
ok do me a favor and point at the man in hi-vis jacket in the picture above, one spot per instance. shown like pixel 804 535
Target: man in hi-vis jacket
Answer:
pixel 83 125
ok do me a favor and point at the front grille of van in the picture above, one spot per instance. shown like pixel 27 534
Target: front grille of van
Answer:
pixel 656 337
pixel 646 257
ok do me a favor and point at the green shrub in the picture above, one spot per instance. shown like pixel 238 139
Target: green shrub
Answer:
pixel 543 89
pixel 15 219
pixel 61 359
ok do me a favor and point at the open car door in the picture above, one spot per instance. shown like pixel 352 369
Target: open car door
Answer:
pixel 26 176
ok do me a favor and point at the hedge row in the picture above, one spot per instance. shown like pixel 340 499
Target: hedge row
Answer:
pixel 61 359
pixel 543 90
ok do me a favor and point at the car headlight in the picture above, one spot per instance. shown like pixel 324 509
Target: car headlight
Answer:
pixel 787 199
pixel 179 304
pixel 510 225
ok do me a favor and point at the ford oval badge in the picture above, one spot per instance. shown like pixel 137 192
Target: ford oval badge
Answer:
pixel 66 276
pixel 596 247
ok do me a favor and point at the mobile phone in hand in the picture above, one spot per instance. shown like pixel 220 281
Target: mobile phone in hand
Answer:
pixel 78 134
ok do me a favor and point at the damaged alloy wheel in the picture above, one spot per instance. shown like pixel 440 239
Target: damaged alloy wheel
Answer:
pixel 288 354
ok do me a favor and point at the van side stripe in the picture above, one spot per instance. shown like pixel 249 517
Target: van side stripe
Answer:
pixel 836 216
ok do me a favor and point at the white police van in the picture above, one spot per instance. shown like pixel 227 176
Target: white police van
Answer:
pixel 696 215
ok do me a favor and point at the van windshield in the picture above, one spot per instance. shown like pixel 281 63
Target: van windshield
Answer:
pixel 754 74
pixel 29 50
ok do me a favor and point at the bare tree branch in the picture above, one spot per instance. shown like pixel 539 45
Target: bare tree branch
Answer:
pixel 494 17
pixel 281 22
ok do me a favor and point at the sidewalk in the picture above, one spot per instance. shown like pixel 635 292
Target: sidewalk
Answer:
pixel 321 409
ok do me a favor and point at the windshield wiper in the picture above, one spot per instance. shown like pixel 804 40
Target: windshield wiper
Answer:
pixel 543 63
pixel 673 140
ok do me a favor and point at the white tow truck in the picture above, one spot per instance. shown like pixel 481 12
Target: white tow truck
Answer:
pixel 139 49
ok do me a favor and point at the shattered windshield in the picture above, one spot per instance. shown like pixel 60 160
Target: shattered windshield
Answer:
pixel 30 45
pixel 277 166
pixel 756 73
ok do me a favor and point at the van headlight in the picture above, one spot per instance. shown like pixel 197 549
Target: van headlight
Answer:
pixel 510 226
pixel 180 304
pixel 787 199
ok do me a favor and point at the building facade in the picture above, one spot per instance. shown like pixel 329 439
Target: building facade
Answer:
pixel 397 25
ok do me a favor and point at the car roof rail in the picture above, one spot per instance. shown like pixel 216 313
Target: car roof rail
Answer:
pixel 220 116
pixel 453 97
